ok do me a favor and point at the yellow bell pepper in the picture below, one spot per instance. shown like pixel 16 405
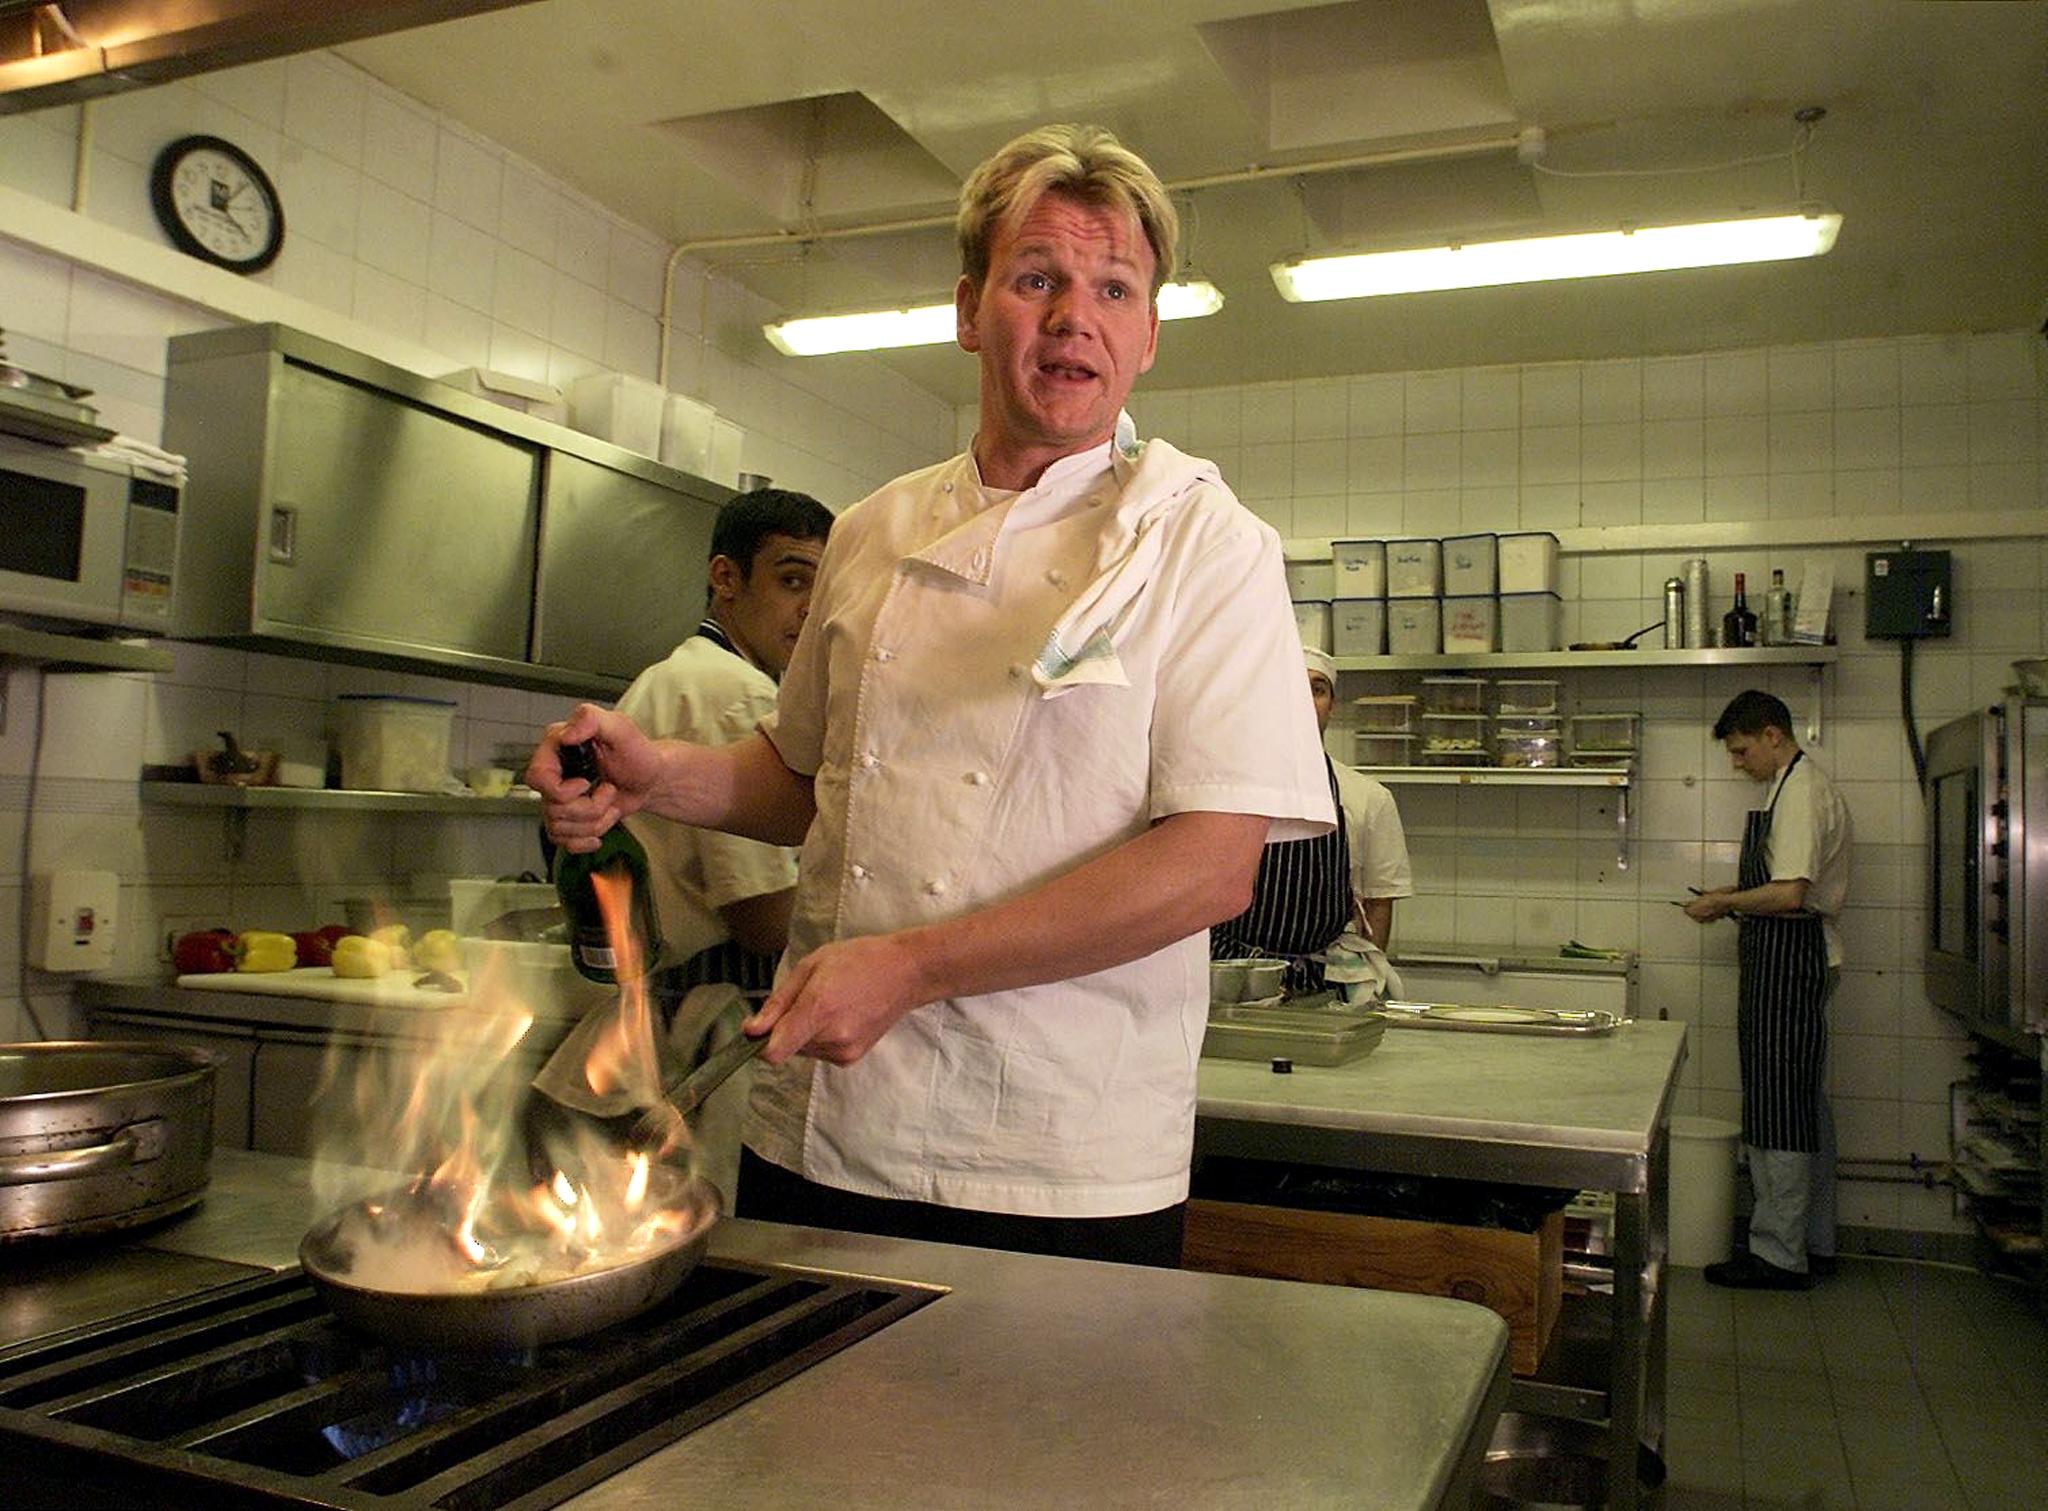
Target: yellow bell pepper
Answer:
pixel 438 950
pixel 361 957
pixel 396 938
pixel 260 950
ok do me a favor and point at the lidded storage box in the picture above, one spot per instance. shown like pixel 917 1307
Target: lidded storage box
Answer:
pixel 1360 567
pixel 1525 695
pixel 1414 568
pixel 1454 739
pixel 1470 625
pixel 1469 564
pixel 1607 733
pixel 1454 695
pixel 1528 562
pixel 1531 622
pixel 1392 713
pixel 1371 749
pixel 1308 581
pixel 1312 621
pixel 1415 626
pixel 1358 627
pixel 389 743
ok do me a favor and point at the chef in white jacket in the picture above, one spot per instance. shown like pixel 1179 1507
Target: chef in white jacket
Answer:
pixel 1033 743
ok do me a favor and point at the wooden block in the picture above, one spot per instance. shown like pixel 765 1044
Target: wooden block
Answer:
pixel 1518 1275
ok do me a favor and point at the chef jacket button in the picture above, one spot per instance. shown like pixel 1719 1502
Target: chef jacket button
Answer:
pixel 858 873
pixel 1016 669
pixel 1056 577
pixel 883 653
pixel 869 760
pixel 981 560
pixel 977 778
pixel 936 886
pixel 946 487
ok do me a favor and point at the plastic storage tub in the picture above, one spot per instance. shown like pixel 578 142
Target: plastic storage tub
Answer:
pixel 1360 567
pixel 1371 749
pixel 1528 562
pixel 1415 568
pixel 1312 621
pixel 1611 732
pixel 1455 734
pixel 1308 581
pixel 1454 695
pixel 1393 713
pixel 1528 724
pixel 1358 626
pixel 1526 750
pixel 1525 695
pixel 1531 622
pixel 1470 565
pixel 1470 625
pixel 1415 626
pixel 389 743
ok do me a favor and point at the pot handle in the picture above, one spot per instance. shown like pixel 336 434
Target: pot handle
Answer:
pixel 133 1145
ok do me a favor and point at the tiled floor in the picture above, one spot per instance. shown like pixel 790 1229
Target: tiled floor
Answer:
pixel 1888 1387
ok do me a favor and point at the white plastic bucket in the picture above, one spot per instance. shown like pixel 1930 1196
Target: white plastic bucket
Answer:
pixel 1702 1224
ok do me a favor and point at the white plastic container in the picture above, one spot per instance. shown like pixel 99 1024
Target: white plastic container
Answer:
pixel 1308 580
pixel 1702 1220
pixel 1525 695
pixel 1454 695
pixel 1389 713
pixel 686 434
pixel 390 743
pixel 1612 733
pixel 722 456
pixel 1531 622
pixel 1470 564
pixel 1415 626
pixel 1455 734
pixel 1372 748
pixel 1360 567
pixel 1312 622
pixel 1358 627
pixel 1415 568
pixel 1528 562
pixel 1470 625
pixel 614 407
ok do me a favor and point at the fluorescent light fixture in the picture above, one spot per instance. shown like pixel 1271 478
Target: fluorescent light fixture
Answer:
pixel 1537 259
pixel 932 324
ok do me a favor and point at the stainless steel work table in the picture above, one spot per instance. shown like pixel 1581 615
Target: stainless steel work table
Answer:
pixel 1030 1382
pixel 1581 1113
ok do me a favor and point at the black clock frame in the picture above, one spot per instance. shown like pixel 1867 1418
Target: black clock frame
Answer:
pixel 160 176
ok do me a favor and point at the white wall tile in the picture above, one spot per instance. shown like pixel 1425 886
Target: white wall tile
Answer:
pixel 1376 405
pixel 1430 402
pixel 1550 395
pixel 1322 410
pixel 1736 383
pixel 1611 392
pixel 396 231
pixel 1490 399
pixel 1934 370
pixel 468 179
pixel 1800 377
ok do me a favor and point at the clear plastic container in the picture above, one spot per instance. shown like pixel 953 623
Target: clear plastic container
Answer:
pixel 1470 565
pixel 1464 734
pixel 1470 625
pixel 1415 568
pixel 389 743
pixel 1525 695
pixel 1358 626
pixel 1415 626
pixel 1602 760
pixel 1528 562
pixel 1312 623
pixel 1527 750
pixel 1360 568
pixel 1370 749
pixel 1604 732
pixel 1528 724
pixel 1393 713
pixel 1480 757
pixel 1454 695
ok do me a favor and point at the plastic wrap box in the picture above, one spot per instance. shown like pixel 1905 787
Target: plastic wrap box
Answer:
pixel 1527 562
pixel 1415 568
pixel 1358 627
pixel 1360 567
pixel 1312 621
pixel 1470 625
pixel 1415 626
pixel 1531 622
pixel 1471 565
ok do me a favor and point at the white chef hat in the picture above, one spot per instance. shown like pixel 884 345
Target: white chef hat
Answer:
pixel 1321 664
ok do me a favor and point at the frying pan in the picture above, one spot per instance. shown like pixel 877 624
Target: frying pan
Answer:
pixel 1616 645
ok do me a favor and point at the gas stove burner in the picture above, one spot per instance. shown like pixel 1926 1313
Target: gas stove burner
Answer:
pixel 253 1395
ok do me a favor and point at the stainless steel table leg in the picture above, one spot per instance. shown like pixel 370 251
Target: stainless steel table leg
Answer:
pixel 1625 1383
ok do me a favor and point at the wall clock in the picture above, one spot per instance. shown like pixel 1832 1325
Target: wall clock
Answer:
pixel 214 202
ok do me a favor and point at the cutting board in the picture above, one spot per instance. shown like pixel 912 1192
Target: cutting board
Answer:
pixel 395 989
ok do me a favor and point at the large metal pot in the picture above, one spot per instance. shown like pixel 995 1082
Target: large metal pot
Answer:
pixel 100 1136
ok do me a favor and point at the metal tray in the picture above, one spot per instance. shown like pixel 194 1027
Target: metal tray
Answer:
pixel 52 421
pixel 1307 1036
pixel 1458 1018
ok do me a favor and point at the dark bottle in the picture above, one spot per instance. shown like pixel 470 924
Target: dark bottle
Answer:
pixel 617 855
pixel 1738 625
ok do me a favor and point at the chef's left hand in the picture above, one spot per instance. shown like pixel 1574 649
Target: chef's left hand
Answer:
pixel 838 1000
pixel 1709 906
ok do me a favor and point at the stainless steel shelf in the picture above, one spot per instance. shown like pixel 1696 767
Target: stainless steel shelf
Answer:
pixel 1775 655
pixel 1500 776
pixel 80 652
pixel 248 799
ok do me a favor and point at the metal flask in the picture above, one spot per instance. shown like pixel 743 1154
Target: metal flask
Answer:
pixel 1674 613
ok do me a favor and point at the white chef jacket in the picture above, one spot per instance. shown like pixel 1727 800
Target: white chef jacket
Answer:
pixel 1809 841
pixel 1379 847
pixel 949 776
pixel 705 694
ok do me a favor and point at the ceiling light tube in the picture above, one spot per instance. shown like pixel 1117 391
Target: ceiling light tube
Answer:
pixel 1537 259
pixel 932 324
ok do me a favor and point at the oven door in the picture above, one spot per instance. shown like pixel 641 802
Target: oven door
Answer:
pixel 63 532
pixel 1966 961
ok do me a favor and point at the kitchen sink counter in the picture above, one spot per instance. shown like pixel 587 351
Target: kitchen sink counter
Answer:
pixel 1031 1381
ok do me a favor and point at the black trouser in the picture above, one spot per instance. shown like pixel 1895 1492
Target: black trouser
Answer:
pixel 772 1194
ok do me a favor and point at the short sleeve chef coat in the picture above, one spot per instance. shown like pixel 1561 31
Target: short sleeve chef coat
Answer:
pixel 948 780
pixel 703 693
pixel 1379 846
pixel 1809 841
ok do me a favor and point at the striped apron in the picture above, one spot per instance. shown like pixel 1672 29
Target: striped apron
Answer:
pixel 1781 1032
pixel 1301 902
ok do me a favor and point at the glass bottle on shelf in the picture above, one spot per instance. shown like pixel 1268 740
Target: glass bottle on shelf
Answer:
pixel 1772 626
pixel 1738 625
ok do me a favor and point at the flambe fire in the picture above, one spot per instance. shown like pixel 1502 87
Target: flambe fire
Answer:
pixel 479 1209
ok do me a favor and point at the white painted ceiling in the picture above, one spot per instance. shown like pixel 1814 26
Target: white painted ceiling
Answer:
pixel 703 119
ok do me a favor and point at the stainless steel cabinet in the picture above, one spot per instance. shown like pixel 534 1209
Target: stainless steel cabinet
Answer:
pixel 234 1062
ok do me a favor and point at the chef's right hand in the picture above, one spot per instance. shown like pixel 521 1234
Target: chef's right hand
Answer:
pixel 576 812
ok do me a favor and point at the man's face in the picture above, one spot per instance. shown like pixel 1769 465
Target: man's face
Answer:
pixel 1064 324
pixel 763 607
pixel 1756 756
pixel 1324 696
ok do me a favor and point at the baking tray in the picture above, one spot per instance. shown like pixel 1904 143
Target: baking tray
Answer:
pixel 52 421
pixel 1505 1019
pixel 1306 1036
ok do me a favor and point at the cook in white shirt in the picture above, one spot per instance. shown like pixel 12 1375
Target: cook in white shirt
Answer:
pixel 1034 737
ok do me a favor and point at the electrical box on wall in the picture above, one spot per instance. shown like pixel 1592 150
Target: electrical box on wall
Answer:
pixel 71 920
pixel 1907 595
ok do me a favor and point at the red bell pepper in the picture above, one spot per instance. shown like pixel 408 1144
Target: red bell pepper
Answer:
pixel 316 946
pixel 204 952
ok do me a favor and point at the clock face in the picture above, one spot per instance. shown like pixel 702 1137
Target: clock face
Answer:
pixel 216 203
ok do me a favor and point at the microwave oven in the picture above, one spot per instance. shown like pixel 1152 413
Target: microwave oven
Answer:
pixel 85 539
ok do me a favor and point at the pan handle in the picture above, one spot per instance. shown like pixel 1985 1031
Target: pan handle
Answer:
pixel 133 1145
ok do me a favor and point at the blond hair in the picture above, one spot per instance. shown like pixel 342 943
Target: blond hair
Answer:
pixel 1085 162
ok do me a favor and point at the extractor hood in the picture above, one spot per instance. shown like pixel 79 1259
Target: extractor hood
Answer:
pixel 59 54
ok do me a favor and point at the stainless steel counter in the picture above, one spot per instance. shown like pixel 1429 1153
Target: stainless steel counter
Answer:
pixel 1032 1382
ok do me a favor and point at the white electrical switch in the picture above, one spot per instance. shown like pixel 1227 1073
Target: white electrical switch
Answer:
pixel 71 920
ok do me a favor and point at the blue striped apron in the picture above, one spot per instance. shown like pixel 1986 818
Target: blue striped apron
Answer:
pixel 1781 1031
pixel 1301 901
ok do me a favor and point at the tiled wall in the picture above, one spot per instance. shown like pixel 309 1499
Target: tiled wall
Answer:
pixel 1883 437
pixel 414 227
